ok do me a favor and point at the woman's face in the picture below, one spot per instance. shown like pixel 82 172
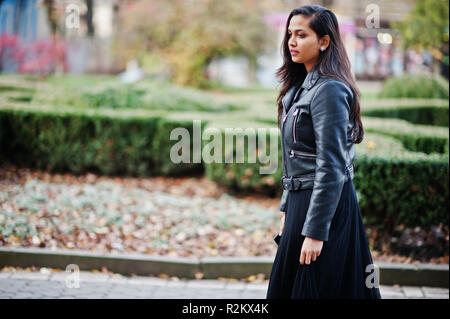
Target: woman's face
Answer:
pixel 303 42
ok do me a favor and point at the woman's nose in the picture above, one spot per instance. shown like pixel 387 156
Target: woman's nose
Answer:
pixel 292 43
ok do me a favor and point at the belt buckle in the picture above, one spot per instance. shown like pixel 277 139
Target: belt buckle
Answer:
pixel 292 182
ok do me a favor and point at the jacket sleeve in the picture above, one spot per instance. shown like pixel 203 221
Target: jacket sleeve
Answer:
pixel 330 109
pixel 282 207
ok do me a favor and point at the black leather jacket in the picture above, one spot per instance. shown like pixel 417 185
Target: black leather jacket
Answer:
pixel 317 146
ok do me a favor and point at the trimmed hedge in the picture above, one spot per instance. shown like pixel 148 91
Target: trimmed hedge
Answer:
pixel 246 177
pixel 415 86
pixel 428 115
pixel 74 142
pixel 409 192
pixel 416 138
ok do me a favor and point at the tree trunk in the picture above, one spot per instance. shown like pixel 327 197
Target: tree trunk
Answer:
pixel 89 15
pixel 53 21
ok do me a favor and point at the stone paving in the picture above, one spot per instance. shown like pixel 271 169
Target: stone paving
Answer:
pixel 48 284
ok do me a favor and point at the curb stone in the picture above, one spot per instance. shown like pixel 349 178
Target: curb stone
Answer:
pixel 422 274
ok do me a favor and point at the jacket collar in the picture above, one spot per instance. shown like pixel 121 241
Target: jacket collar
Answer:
pixel 310 80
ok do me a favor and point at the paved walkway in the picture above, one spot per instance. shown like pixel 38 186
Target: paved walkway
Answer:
pixel 49 284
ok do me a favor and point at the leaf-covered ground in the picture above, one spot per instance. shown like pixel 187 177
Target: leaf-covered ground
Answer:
pixel 189 217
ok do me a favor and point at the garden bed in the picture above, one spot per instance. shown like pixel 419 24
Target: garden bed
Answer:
pixel 186 217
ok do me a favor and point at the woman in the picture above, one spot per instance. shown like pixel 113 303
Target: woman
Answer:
pixel 323 250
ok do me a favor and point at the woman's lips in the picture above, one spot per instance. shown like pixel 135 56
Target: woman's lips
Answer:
pixel 293 52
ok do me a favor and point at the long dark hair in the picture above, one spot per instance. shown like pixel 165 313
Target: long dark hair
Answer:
pixel 332 63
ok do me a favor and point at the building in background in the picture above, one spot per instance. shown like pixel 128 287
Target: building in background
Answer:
pixel 36 39
pixel 39 36
pixel 24 36
pixel 374 50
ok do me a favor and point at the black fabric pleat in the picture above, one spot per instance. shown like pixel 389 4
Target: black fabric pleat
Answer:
pixel 340 270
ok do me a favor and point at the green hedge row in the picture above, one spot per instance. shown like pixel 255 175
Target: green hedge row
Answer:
pixel 410 192
pixel 246 176
pixel 425 144
pixel 76 142
pixel 427 115
pixel 416 138
pixel 415 86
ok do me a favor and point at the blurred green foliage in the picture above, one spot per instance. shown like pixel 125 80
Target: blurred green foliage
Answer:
pixel 415 86
pixel 182 37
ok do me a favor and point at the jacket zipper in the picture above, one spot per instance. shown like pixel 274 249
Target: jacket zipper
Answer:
pixel 293 126
pixel 282 137
pixel 296 153
pixel 284 120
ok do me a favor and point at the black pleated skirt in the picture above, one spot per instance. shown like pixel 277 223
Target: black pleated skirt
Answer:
pixel 343 270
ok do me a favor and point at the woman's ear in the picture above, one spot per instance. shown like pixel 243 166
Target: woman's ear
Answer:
pixel 324 42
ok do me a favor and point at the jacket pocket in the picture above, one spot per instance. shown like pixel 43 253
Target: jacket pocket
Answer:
pixel 300 123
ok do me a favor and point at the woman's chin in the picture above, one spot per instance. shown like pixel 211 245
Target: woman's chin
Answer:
pixel 297 60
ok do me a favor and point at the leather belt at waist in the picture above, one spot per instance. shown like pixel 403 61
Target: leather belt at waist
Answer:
pixel 307 181
pixel 295 183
